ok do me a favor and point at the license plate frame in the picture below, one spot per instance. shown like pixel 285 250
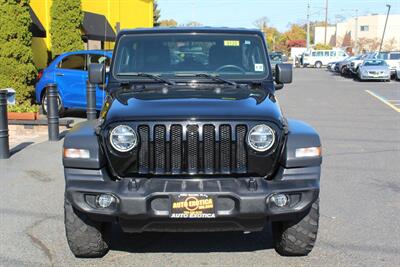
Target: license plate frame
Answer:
pixel 192 206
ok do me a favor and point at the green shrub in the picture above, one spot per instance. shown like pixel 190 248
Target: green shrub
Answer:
pixel 65 26
pixel 322 47
pixel 17 70
pixel 24 107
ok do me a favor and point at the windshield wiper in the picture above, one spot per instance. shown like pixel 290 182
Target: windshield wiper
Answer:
pixel 147 75
pixel 213 77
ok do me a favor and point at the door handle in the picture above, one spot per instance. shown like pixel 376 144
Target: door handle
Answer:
pixel 60 74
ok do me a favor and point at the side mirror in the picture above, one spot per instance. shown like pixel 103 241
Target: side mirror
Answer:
pixel 97 73
pixel 283 74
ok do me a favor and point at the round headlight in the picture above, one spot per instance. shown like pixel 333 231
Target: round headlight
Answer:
pixel 261 138
pixel 123 138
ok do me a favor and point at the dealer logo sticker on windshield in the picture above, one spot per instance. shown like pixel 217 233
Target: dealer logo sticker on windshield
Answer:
pixel 231 43
pixel 192 206
pixel 259 67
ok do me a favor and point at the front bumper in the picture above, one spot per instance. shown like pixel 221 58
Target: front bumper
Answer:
pixel 375 77
pixel 240 203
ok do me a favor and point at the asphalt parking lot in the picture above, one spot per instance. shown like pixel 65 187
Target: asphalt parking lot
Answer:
pixel 360 196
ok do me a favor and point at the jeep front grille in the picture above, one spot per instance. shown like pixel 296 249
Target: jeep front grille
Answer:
pixel 192 149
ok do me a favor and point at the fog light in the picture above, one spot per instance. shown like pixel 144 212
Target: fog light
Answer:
pixel 280 200
pixel 105 200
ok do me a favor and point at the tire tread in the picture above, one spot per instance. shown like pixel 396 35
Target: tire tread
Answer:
pixel 85 237
pixel 297 238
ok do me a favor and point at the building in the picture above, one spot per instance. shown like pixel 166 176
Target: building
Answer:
pixel 367 30
pixel 102 20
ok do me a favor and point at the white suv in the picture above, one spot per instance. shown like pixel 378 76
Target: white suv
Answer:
pixel 393 60
pixel 318 58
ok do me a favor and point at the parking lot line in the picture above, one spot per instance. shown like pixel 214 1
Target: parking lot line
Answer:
pixel 384 100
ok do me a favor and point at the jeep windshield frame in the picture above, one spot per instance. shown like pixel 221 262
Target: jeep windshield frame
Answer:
pixel 230 56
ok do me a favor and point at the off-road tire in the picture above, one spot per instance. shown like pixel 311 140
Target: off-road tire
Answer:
pixel 297 238
pixel 86 238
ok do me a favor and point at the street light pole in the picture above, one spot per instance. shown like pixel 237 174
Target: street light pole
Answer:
pixel 384 29
pixel 326 20
pixel 356 34
pixel 308 25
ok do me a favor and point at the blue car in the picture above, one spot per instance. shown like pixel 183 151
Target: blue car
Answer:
pixel 69 72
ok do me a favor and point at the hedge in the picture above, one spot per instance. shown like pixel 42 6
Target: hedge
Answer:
pixel 16 59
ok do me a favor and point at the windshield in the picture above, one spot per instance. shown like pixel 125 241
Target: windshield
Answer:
pixel 233 56
pixel 275 57
pixel 382 55
pixel 375 63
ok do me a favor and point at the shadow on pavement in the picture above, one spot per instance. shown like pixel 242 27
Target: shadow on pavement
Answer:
pixel 19 147
pixel 75 113
pixel 154 242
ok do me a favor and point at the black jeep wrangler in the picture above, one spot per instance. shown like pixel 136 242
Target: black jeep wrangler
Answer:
pixel 191 138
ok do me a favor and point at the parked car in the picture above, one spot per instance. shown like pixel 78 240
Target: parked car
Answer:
pixel 202 150
pixel 276 58
pixel 319 58
pixel 344 66
pixel 398 73
pixel 374 69
pixel 392 58
pixel 69 72
pixel 355 63
pixel 331 66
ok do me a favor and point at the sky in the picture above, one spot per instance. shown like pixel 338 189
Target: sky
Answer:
pixel 243 13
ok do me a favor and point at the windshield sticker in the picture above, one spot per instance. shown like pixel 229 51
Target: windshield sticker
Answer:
pixel 247 42
pixel 259 67
pixel 231 43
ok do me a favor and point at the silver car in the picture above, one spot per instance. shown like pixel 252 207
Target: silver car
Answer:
pixel 374 69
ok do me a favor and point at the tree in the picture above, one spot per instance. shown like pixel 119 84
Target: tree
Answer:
pixel 390 45
pixel 322 47
pixel 194 24
pixel 296 43
pixel 261 23
pixel 168 23
pixel 16 58
pixel 156 14
pixel 296 32
pixel 272 35
pixel 65 26
pixel 368 44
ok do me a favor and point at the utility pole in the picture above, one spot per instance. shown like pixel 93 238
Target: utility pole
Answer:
pixel 356 34
pixel 308 25
pixel 326 20
pixel 384 29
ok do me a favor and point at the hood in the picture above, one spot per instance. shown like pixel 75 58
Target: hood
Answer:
pixel 192 104
pixel 375 68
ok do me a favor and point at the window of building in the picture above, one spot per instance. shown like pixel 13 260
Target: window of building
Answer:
pixel 73 62
pixel 364 28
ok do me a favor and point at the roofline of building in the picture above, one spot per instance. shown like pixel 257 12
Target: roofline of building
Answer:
pixel 189 30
